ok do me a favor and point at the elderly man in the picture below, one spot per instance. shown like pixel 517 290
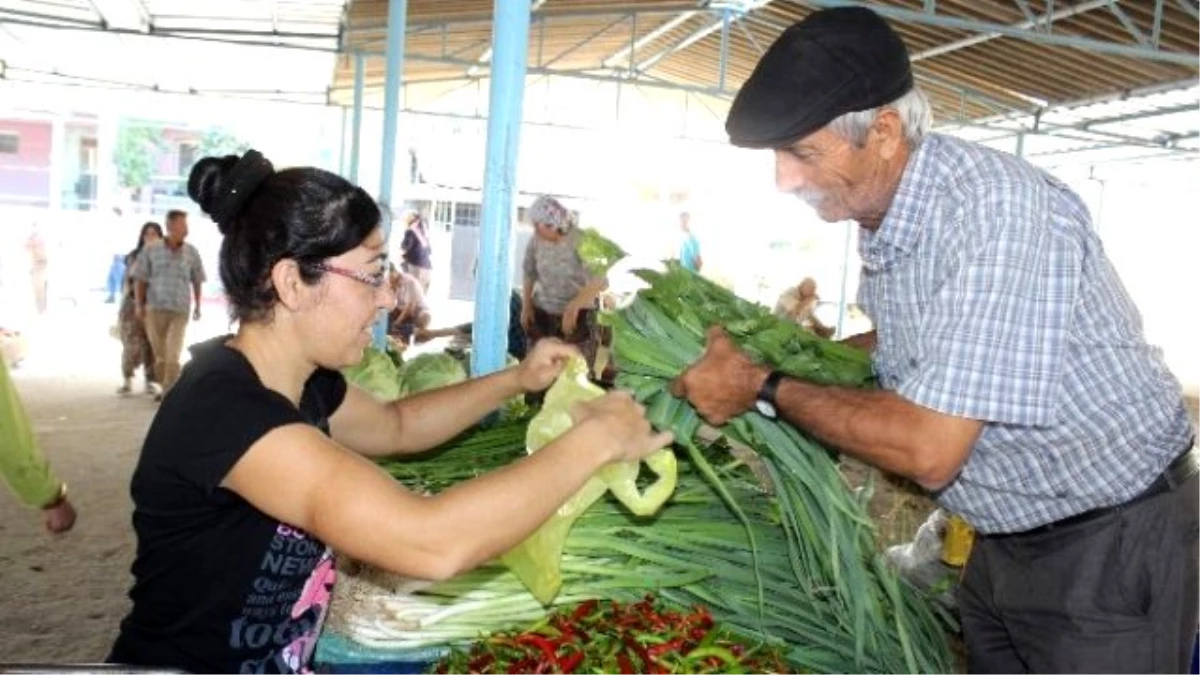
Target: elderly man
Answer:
pixel 1016 381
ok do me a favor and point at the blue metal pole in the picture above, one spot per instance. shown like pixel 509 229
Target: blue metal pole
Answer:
pixel 845 276
pixel 397 17
pixel 510 42
pixel 356 124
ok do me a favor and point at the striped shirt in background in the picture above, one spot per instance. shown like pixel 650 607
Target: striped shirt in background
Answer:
pixel 994 300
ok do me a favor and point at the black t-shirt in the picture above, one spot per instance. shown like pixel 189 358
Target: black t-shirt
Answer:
pixel 220 586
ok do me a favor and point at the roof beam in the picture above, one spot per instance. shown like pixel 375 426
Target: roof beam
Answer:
pixel 625 52
pixel 124 14
pixel 722 11
pixel 1130 26
pixel 1033 21
pixel 1188 7
pixel 1082 43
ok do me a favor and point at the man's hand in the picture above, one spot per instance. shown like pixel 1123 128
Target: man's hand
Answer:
pixel 60 517
pixel 544 363
pixel 196 313
pixel 724 383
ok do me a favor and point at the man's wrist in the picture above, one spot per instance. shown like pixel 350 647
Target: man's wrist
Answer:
pixel 59 498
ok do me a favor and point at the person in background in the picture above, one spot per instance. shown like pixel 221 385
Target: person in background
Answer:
pixel 114 283
pixel 258 465
pixel 799 304
pixel 168 275
pixel 415 249
pixel 409 321
pixel 24 467
pixel 1015 380
pixel 39 262
pixel 135 343
pixel 689 246
pixel 558 294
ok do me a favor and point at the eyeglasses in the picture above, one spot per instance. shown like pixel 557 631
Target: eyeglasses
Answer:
pixel 376 280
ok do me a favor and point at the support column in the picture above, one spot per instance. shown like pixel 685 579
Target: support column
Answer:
pixel 58 156
pixel 356 124
pixel 397 19
pixel 510 40
pixel 842 304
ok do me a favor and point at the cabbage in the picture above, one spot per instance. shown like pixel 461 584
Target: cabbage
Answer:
pixel 376 373
pixel 430 371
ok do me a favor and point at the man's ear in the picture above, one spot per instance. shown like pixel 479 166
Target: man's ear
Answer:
pixel 888 132
pixel 289 286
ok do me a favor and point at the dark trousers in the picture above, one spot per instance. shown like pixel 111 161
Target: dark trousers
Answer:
pixel 585 335
pixel 1117 593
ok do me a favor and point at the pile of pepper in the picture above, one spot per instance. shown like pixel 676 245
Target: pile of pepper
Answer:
pixel 611 637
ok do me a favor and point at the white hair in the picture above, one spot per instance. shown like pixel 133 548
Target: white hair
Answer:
pixel 915 115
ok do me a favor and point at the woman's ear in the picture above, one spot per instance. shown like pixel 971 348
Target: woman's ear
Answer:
pixel 289 285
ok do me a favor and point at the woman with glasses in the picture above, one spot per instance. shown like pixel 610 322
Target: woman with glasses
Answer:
pixel 257 468
pixel 558 295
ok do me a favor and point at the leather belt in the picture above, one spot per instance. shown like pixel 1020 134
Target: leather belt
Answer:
pixel 1182 468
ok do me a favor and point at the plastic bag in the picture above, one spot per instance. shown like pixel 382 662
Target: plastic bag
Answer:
pixel 537 560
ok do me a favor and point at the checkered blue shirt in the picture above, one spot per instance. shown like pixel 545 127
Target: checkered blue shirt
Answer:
pixel 993 300
pixel 169 275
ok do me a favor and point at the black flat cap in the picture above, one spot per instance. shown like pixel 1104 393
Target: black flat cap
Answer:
pixel 833 62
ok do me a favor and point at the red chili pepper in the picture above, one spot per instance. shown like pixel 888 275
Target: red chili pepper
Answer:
pixel 569 663
pixel 625 664
pixel 584 609
pixel 549 649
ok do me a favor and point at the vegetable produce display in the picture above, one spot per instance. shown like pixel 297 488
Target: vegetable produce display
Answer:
pixel 792 563
pixel 613 637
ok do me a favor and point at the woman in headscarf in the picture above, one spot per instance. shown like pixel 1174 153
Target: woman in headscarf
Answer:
pixel 559 295
pixel 135 345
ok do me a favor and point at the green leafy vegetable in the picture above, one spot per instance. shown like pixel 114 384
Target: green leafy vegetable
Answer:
pixel 597 252
pixel 376 373
pixel 430 371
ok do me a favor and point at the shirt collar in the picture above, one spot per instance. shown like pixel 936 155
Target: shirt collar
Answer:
pixel 902 225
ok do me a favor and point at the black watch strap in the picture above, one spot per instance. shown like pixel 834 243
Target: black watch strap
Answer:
pixel 770 387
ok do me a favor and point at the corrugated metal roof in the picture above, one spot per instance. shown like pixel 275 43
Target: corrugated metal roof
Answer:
pixel 968 73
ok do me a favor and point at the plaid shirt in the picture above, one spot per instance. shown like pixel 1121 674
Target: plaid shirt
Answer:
pixel 994 300
pixel 169 275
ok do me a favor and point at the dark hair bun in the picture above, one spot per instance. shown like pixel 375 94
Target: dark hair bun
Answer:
pixel 206 181
pixel 223 185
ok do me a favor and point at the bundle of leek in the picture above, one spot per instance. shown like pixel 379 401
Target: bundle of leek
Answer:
pixel 861 609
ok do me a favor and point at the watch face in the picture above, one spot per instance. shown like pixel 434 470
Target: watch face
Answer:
pixel 765 409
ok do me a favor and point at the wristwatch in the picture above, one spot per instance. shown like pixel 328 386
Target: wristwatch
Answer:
pixel 764 403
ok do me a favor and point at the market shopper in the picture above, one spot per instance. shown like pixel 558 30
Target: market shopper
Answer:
pixel 799 304
pixel 135 343
pixel 558 296
pixel 169 276
pixel 409 320
pixel 1016 381
pixel 23 466
pixel 415 250
pixel 256 467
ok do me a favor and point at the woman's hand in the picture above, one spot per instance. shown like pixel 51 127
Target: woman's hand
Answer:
pixel 544 363
pixel 623 422
pixel 570 320
pixel 526 317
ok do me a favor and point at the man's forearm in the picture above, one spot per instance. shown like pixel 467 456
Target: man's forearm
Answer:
pixel 863 341
pixel 880 428
pixel 196 292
